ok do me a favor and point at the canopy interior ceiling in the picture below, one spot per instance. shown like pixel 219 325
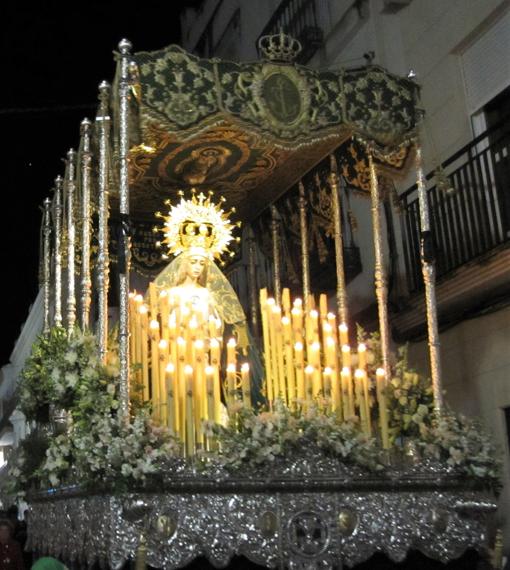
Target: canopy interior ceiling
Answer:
pixel 252 130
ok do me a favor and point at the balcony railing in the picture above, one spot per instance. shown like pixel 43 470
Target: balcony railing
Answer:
pixel 297 18
pixel 469 207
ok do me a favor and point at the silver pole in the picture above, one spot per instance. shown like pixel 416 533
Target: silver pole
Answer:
pixel 46 266
pixel 86 284
pixel 429 280
pixel 57 227
pixel 71 240
pixel 124 245
pixel 103 258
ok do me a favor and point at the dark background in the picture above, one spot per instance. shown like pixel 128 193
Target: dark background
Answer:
pixel 53 57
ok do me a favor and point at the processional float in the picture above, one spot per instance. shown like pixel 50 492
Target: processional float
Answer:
pixel 253 133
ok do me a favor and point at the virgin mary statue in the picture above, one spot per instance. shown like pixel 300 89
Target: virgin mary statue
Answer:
pixel 197 231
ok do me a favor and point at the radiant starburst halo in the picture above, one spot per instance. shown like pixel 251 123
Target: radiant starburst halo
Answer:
pixel 198 225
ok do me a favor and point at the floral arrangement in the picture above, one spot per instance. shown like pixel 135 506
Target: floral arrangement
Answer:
pixel 256 439
pixel 96 445
pixel 119 455
pixel 409 396
pixel 464 445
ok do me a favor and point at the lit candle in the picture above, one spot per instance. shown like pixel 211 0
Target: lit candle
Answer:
pixel 348 395
pixel 323 306
pixel 181 365
pixel 245 384
pixel 155 384
pixel 315 361
pixel 332 363
pixel 326 377
pixel 144 350
pixel 346 355
pixel 190 427
pixel 231 352
pixel 289 361
pixel 300 370
pixel 282 381
pixel 163 361
pixel 270 304
pixel 360 399
pixel 172 399
pixel 199 396
pixel 164 310
pixel 314 325
pixel 297 321
pixel 344 333
pixel 231 384
pixel 383 410
pixel 362 356
pixel 211 404
pixel 267 346
pixel 309 373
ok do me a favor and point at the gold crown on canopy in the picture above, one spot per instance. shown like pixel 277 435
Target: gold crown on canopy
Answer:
pixel 198 226
pixel 279 47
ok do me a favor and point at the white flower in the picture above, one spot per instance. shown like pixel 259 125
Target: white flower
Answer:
pixel 71 357
pixel 71 379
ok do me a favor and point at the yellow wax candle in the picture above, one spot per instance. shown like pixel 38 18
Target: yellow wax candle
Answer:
pixel 300 370
pixel 191 337
pixel 217 394
pixel 231 352
pixel 231 384
pixel 190 427
pixel 344 333
pixel 181 364
pixel 323 306
pixel 199 393
pixel 349 410
pixel 367 402
pixel 332 362
pixel 212 326
pixel 163 362
pixel 326 378
pixel 144 350
pixel 209 386
pixel 314 324
pixel 309 373
pixel 155 383
pixel 297 322
pixel 289 361
pixel 282 381
pixel 245 384
pixel 132 328
pixel 362 356
pixel 360 399
pixel 164 310
pixel 346 355
pixel 172 399
pixel 172 338
pixel 315 360
pixel 267 346
pixel 273 350
pixel 383 410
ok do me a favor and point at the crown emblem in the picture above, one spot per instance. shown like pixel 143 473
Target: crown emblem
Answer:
pixel 279 47
pixel 197 225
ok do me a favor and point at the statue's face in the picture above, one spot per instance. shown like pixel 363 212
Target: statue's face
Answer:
pixel 196 266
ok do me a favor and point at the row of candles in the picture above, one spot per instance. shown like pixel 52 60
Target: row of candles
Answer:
pixel 177 356
pixel 303 361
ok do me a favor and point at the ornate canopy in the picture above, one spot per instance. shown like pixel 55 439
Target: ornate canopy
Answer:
pixel 252 130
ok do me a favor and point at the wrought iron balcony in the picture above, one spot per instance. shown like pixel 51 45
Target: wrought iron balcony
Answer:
pixel 469 206
pixel 297 18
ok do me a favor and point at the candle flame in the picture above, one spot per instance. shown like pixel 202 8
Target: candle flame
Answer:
pixel 209 370
pixel 362 347
pixel 328 370
pixel 231 368
pixel 199 344
pixel 380 372
pixel 359 373
pixel 231 342
pixel 154 324
pixel 188 369
pixel 139 298
pixel 346 348
pixel 298 303
pixel 298 346
pixel 245 367
pixel 309 369
pixel 143 309
pixel 214 343
pixel 285 320
pixel 163 343
pixel 170 368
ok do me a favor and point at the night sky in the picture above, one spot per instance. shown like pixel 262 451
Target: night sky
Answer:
pixel 54 55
